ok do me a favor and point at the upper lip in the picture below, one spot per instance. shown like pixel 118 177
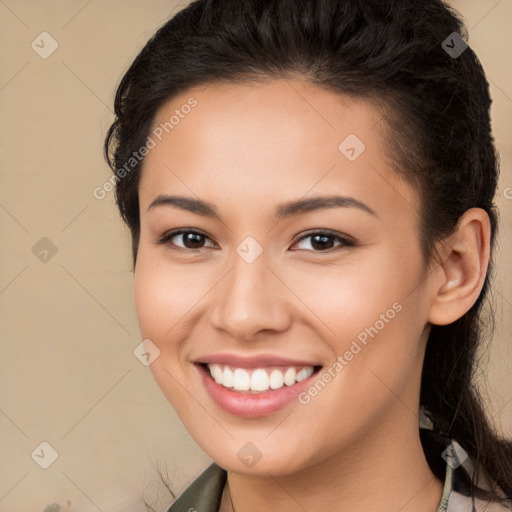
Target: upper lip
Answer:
pixel 257 361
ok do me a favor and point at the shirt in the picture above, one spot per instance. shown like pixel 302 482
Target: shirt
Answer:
pixel 205 492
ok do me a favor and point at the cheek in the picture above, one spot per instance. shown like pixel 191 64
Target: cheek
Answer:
pixel 163 297
pixel 371 316
pixel 164 294
pixel 352 295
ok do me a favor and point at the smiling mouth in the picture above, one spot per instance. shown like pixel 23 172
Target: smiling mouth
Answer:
pixel 257 380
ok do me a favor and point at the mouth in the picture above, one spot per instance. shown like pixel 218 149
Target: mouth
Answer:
pixel 258 380
pixel 255 392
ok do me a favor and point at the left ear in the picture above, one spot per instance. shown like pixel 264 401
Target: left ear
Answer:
pixel 465 259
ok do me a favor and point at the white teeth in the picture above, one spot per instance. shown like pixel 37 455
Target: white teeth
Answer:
pixel 228 378
pixel 241 380
pixel 304 373
pixel 259 379
pixel 216 372
pixel 289 377
pixel 276 379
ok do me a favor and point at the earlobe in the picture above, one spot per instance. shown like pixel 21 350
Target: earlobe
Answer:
pixel 463 269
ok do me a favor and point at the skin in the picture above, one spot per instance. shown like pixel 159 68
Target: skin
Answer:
pixel 247 148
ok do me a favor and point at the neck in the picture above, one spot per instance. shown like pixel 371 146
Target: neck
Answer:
pixel 370 474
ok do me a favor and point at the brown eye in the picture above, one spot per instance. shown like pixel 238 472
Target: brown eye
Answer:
pixel 324 241
pixel 184 239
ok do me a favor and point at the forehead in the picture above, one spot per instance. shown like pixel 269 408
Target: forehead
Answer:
pixel 285 111
pixel 268 139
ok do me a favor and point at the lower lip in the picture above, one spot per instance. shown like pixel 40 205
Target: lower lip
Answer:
pixel 250 405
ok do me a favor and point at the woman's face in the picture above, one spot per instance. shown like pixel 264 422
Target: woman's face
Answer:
pixel 260 285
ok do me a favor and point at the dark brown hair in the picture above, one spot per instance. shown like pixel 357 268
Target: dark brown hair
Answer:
pixel 436 106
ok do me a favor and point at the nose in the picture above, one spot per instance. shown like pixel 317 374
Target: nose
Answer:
pixel 251 302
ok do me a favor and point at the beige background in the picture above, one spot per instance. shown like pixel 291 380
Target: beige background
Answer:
pixel 68 373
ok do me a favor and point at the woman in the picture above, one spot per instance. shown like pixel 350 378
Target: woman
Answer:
pixel 309 187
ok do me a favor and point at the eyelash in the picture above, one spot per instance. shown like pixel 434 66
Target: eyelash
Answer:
pixel 344 241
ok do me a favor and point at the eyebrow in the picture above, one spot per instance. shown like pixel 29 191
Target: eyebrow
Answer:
pixel 283 211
